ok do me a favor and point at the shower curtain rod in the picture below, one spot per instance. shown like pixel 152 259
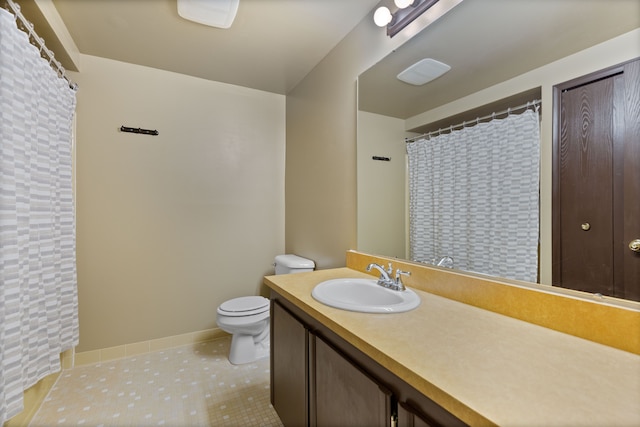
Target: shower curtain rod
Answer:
pixel 462 125
pixel 28 27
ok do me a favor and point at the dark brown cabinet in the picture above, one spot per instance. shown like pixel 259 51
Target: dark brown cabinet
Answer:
pixel 342 394
pixel 410 417
pixel 289 356
pixel 320 380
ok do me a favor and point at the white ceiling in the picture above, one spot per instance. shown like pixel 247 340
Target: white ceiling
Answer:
pixel 271 45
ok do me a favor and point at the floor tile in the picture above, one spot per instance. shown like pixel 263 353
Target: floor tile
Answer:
pixel 193 385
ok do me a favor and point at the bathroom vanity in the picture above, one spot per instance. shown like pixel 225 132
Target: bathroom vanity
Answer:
pixel 443 363
pixel 319 379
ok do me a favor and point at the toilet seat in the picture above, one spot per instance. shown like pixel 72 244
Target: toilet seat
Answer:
pixel 244 306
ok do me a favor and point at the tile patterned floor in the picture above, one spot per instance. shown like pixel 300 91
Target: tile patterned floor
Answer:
pixel 184 386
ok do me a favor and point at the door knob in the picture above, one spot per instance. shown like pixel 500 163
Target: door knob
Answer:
pixel 634 245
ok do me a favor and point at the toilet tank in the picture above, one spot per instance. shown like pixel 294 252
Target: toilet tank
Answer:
pixel 286 264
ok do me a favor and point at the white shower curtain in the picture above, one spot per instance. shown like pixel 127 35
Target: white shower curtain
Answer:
pixel 38 292
pixel 474 196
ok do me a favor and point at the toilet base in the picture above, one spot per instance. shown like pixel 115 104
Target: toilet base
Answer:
pixel 245 349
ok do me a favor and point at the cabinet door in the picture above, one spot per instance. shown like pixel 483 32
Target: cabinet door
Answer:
pixel 342 394
pixel 289 354
pixel 409 417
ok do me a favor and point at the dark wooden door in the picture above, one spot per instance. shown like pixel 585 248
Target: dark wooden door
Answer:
pixel 596 208
pixel 289 355
pixel 342 395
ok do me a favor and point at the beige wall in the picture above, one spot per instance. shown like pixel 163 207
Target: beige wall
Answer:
pixel 381 191
pixel 170 226
pixel 321 146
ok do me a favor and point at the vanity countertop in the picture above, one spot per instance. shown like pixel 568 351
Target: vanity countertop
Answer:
pixel 484 367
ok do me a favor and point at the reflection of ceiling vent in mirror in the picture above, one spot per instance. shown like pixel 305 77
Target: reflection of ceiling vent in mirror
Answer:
pixel 423 72
pixel 215 13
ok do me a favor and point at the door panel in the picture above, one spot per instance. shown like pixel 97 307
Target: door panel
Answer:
pixel 410 417
pixel 586 197
pixel 289 355
pixel 631 228
pixel 596 197
pixel 342 394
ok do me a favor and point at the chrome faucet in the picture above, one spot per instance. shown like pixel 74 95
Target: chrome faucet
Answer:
pixel 385 279
pixel 445 261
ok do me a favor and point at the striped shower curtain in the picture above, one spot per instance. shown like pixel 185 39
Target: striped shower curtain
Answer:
pixel 38 292
pixel 474 195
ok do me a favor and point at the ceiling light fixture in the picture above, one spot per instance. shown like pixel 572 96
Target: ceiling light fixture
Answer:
pixel 214 13
pixel 408 10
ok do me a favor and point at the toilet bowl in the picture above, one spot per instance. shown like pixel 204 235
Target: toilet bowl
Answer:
pixel 247 318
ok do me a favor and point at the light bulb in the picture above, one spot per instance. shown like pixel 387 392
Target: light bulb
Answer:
pixel 382 16
pixel 403 3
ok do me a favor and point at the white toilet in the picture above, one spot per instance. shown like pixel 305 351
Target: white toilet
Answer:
pixel 247 318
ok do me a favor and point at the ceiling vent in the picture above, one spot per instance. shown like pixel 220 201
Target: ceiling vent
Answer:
pixel 214 13
pixel 423 72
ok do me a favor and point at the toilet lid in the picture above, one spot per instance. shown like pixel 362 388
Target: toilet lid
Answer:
pixel 244 306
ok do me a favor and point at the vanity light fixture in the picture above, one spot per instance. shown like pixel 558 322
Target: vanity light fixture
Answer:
pixel 404 3
pixel 423 72
pixel 382 16
pixel 408 10
pixel 214 13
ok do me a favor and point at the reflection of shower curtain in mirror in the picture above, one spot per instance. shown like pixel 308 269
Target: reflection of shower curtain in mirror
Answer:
pixel 38 295
pixel 474 196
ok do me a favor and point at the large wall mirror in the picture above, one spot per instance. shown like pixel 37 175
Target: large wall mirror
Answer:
pixel 501 53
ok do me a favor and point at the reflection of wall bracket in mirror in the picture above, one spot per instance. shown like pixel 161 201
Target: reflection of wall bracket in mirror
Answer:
pixel 384 159
pixel 138 130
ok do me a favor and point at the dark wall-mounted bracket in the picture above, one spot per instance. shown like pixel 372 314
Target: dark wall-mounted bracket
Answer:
pixel 138 130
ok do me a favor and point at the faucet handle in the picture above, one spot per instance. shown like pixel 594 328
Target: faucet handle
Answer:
pixel 402 273
pixel 398 278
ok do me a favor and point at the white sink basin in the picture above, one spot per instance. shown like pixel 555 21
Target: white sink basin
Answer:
pixel 364 295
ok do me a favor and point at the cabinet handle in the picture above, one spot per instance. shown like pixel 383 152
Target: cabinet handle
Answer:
pixel 634 245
